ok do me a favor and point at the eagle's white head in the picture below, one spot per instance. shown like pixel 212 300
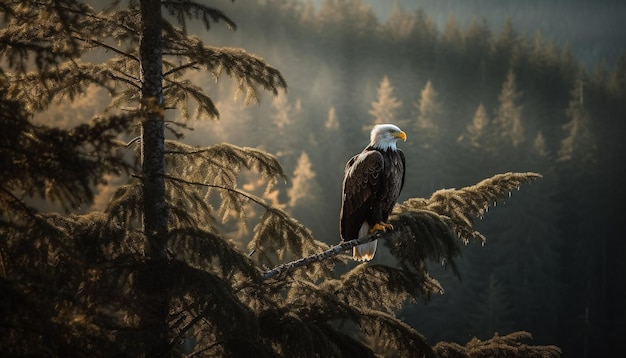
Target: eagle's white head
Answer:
pixel 384 136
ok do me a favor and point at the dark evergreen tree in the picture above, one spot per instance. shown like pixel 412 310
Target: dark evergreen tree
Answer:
pixel 578 159
pixel 503 48
pixel 618 78
pixel 477 48
pixel 399 24
pixel 135 245
pixel 429 125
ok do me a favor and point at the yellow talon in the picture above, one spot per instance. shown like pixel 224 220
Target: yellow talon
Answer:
pixel 381 226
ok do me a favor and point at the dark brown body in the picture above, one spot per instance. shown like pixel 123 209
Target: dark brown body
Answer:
pixel 372 183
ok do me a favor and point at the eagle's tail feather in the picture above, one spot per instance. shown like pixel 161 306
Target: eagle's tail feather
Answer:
pixel 364 252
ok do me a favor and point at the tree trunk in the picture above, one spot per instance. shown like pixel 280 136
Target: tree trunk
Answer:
pixel 153 137
pixel 151 279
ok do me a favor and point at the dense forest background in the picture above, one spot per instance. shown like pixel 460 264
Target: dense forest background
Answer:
pixel 474 100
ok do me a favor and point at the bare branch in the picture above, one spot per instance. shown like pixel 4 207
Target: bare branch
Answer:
pixel 233 190
pixel 180 68
pixel 136 139
pixel 340 248
pixel 107 47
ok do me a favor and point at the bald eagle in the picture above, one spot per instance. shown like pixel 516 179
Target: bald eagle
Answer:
pixel 372 183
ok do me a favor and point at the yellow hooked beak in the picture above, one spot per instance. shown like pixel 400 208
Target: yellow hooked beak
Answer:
pixel 401 135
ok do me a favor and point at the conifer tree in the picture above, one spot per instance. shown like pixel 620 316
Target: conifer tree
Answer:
pixel 429 128
pixel 477 41
pixel 452 36
pixel 384 109
pixel 307 13
pixel 495 309
pixel 134 75
pixel 618 78
pixel 305 195
pixel 329 164
pixel 420 44
pixel 577 159
pixel 333 14
pixel 282 109
pixel 476 130
pixel 578 140
pixel 331 122
pixel 539 145
pixel 429 118
pixel 507 119
pixel 504 46
pixel 301 188
pixel 400 23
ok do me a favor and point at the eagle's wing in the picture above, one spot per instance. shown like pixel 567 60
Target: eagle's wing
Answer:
pixel 403 159
pixel 363 178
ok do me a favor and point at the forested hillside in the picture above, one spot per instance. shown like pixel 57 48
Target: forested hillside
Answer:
pixel 473 102
pixel 593 29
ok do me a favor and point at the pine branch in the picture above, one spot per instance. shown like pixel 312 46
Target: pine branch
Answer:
pixel 183 9
pixel 248 70
pixel 248 196
pixel 191 64
pixel 429 228
pixel 509 345
pixel 105 46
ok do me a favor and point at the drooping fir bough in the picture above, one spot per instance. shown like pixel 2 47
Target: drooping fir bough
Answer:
pixel 436 223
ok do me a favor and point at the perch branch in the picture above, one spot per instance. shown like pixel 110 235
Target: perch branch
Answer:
pixel 332 251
